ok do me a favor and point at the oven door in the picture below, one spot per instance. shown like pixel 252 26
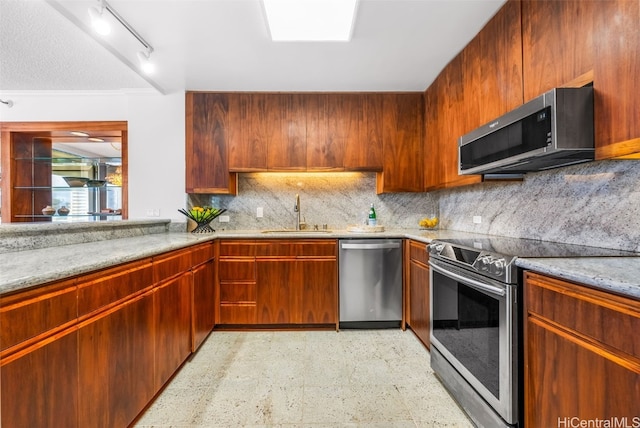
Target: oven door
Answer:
pixel 472 326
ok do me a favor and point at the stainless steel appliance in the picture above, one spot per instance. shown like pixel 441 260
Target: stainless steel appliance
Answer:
pixel 370 283
pixel 552 130
pixel 476 320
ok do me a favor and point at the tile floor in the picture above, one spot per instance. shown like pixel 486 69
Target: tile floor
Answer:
pixel 354 378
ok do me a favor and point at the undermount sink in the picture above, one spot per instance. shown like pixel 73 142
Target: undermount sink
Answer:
pixel 296 231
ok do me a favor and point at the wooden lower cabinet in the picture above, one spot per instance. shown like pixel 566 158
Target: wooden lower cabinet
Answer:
pixel 203 314
pixel 93 351
pixel 418 278
pixel 116 371
pixel 172 325
pixel 39 386
pixel 278 282
pixel 582 355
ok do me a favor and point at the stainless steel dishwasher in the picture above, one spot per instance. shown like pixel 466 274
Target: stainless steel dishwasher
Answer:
pixel 370 283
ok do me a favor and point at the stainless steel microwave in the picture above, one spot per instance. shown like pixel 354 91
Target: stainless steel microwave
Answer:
pixel 550 131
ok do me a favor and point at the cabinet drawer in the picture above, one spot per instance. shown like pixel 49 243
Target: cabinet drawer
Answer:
pixel 237 270
pixel 601 316
pixel 112 285
pixel 201 254
pixel 418 252
pixel 237 248
pixel 167 265
pixel 31 313
pixel 297 248
pixel 236 292
pixel 238 314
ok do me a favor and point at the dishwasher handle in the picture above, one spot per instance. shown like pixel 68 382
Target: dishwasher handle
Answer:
pixel 383 246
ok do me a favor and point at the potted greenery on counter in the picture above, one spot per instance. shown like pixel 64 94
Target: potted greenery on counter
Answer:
pixel 202 216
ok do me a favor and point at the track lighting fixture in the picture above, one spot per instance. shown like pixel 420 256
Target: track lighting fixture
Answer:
pixel 146 65
pixel 98 21
pixel 100 24
pixel 8 103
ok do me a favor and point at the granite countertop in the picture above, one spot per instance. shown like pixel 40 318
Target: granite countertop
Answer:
pixel 24 269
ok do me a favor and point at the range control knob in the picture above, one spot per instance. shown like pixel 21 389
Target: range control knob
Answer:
pixel 436 248
pixel 498 265
pixel 485 263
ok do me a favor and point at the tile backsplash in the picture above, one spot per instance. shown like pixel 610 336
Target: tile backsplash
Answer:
pixel 336 199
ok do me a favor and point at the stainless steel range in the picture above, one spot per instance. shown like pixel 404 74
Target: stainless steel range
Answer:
pixel 476 320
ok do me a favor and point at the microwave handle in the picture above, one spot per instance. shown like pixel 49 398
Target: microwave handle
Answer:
pixel 469 281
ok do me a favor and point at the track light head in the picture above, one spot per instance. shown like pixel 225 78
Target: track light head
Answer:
pixel 98 21
pixel 146 65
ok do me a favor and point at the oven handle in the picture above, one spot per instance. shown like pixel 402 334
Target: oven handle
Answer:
pixel 469 281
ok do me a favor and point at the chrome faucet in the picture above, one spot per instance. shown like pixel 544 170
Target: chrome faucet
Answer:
pixel 296 209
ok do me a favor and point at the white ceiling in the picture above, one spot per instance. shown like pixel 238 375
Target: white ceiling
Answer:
pixel 223 45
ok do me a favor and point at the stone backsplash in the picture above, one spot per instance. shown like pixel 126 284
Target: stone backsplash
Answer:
pixel 336 199
pixel 596 204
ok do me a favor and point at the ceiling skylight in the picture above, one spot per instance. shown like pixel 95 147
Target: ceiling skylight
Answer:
pixel 310 20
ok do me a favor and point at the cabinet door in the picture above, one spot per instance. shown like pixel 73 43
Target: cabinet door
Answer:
pixel 254 123
pixel 615 73
pixel 40 387
pixel 116 365
pixel 402 144
pixel 325 146
pixel 433 179
pixel 289 151
pixel 419 311
pixel 492 68
pixel 207 163
pixel 204 308
pixel 316 293
pixel 557 43
pixel 582 353
pixel 172 323
pixel 366 152
pixel 275 281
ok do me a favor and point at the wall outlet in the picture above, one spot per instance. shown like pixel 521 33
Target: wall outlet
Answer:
pixel 223 219
pixel 477 219
pixel 153 212
pixel 259 212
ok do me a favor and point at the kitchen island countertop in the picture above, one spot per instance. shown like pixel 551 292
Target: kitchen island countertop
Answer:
pixel 23 269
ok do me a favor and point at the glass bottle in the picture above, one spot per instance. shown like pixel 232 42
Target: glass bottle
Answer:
pixel 372 216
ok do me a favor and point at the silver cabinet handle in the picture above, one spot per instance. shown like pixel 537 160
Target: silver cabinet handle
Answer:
pixel 469 281
pixel 369 246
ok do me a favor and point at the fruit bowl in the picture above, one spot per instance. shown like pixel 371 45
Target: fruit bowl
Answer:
pixel 428 223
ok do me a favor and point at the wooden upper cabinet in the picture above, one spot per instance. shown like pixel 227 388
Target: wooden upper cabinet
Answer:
pixel 492 68
pixel 325 145
pixel 254 121
pixel 402 143
pixel 288 151
pixel 432 174
pixel 616 83
pixel 365 151
pixel 207 121
pixel 557 43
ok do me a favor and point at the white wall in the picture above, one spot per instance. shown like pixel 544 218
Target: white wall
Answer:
pixel 156 138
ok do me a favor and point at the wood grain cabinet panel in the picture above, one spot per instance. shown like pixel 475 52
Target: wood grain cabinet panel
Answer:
pixel 34 314
pixel 582 353
pixel 492 68
pixel 402 144
pixel 171 264
pixel 317 296
pixel 172 323
pixel 557 43
pixel 254 122
pixel 204 303
pixel 116 364
pixel 289 151
pixel 206 143
pixel 615 72
pixel 418 278
pixel 366 152
pixel 236 286
pixel 276 282
pixel 39 387
pixel 432 174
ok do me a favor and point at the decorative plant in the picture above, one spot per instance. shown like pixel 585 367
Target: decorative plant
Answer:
pixel 202 216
